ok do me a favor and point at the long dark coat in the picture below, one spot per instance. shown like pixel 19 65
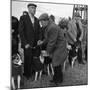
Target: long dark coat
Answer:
pixel 56 44
pixel 29 34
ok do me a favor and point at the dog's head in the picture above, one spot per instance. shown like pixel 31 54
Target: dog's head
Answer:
pixel 17 59
pixel 44 53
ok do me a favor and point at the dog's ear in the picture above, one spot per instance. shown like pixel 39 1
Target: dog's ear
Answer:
pixel 20 62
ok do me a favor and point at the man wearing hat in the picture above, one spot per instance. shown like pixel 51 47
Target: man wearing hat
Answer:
pixel 29 30
pixel 55 46
pixel 75 34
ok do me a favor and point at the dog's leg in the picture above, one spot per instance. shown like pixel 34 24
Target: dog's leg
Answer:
pixel 48 69
pixel 73 61
pixel 13 83
pixel 18 81
pixel 52 69
pixel 36 75
pixel 40 74
pixel 64 65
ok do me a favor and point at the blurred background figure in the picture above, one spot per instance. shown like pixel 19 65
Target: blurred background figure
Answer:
pixel 63 24
pixel 52 18
pixel 25 12
pixel 69 18
pixel 75 34
pixel 15 39
pixel 14 46
pixel 85 38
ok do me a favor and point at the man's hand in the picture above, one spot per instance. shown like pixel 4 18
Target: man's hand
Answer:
pixel 27 46
pixel 39 42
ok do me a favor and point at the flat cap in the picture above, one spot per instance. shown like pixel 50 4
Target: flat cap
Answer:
pixel 44 16
pixel 77 14
pixel 31 4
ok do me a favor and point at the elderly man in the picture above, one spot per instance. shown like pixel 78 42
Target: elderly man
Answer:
pixel 75 34
pixel 29 30
pixel 55 46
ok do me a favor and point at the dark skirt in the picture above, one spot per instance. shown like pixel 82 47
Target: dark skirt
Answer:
pixel 58 74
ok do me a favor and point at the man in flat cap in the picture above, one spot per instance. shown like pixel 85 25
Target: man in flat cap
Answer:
pixel 31 4
pixel 55 46
pixel 75 34
pixel 29 30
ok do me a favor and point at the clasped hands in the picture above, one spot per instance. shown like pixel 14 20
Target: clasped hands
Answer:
pixel 39 42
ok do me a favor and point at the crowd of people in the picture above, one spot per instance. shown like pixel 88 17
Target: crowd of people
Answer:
pixel 43 32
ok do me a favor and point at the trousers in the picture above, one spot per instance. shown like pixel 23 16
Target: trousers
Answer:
pixel 58 74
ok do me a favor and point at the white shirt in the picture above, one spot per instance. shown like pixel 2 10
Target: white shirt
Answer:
pixel 32 18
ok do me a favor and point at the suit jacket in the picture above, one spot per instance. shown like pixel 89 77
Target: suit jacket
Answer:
pixel 29 33
pixel 56 44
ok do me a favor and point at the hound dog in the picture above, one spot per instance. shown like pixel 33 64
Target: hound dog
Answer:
pixel 38 62
pixel 16 71
pixel 72 55
pixel 48 62
pixel 40 58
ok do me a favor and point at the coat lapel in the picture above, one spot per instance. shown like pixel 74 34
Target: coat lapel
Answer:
pixel 29 20
pixel 35 23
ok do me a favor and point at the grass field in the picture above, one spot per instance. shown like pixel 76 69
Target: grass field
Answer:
pixel 72 77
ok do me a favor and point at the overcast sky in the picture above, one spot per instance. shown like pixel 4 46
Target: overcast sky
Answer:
pixel 58 10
